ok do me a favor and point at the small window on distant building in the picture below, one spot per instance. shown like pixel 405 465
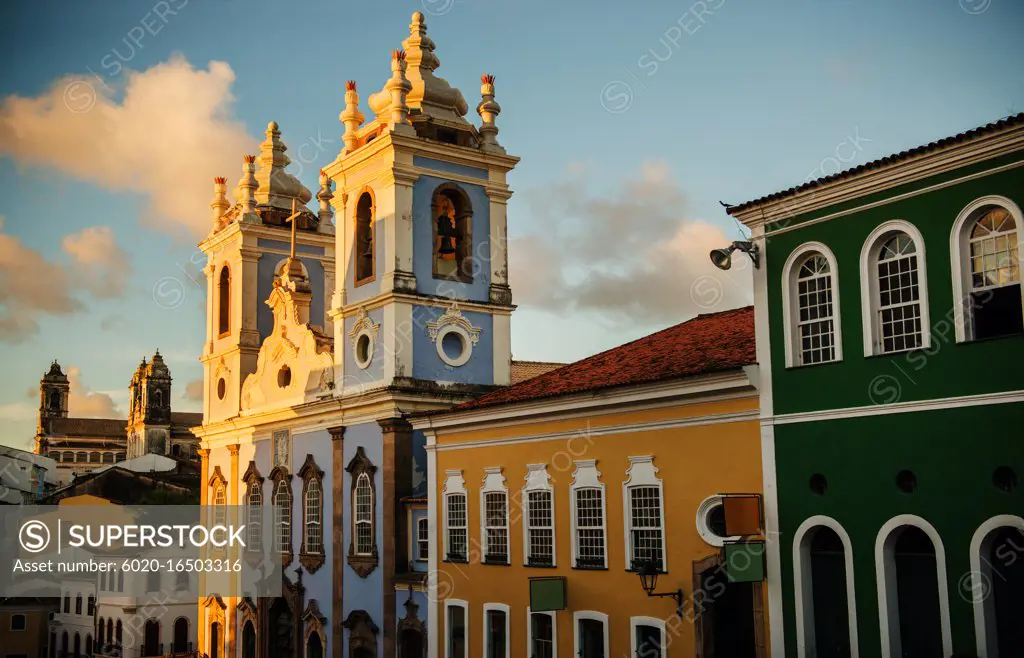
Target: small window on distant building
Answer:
pixel 18 622
pixel 422 539
pixel 455 514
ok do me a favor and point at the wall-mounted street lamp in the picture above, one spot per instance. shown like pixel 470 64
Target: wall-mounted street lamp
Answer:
pixel 649 581
pixel 722 258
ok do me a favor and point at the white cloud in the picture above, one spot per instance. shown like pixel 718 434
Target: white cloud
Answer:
pixel 633 255
pixel 99 264
pixel 32 285
pixel 194 391
pixel 83 402
pixel 165 135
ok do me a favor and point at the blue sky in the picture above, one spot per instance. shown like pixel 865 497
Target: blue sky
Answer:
pixel 681 104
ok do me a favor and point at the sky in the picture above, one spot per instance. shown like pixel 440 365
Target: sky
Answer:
pixel 633 120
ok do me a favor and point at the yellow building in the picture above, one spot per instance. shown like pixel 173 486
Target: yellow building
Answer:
pixel 554 493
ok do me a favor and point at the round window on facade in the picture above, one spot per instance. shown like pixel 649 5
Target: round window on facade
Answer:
pixel 1004 479
pixel 711 521
pixel 454 346
pixel 364 350
pixel 222 388
pixel 906 481
pixel 284 377
pixel 818 484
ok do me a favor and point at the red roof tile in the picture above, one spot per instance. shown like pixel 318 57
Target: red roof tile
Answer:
pixel 708 343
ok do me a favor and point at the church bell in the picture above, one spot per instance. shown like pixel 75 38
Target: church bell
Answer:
pixel 448 235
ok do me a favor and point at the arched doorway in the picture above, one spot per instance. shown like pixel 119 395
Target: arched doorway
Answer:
pixel 151 638
pixel 997 586
pixel 215 640
pixel 282 629
pixel 248 641
pixel 180 635
pixel 913 597
pixel 825 602
pixel 410 644
pixel 64 644
pixel 314 647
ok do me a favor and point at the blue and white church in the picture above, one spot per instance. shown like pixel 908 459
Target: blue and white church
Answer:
pixel 326 328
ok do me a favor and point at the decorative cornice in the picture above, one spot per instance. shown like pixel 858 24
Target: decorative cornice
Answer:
pixel 453 316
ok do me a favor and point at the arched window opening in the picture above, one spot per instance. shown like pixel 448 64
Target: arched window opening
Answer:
pixel 248 641
pixel 364 515
pixel 282 502
pixel 314 647
pixel 181 643
pixel 898 310
pixel 364 243
pixel 815 321
pixel 999 591
pixel 993 264
pixel 215 640
pixel 453 233
pixel 917 594
pixel 824 596
pixel 224 301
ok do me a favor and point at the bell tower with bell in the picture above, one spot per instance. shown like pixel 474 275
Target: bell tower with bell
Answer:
pixel 422 294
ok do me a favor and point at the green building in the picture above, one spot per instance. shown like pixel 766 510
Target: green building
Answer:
pixel 891 344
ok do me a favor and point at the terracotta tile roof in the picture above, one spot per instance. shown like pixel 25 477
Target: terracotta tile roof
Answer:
pixel 523 370
pixel 989 128
pixel 708 343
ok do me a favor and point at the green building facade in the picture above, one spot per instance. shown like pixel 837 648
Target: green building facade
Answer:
pixel 890 328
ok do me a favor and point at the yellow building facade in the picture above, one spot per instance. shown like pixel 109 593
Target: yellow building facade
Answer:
pixel 567 484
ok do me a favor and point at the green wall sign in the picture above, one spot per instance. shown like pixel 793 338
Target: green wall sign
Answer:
pixel 547 594
pixel 744 562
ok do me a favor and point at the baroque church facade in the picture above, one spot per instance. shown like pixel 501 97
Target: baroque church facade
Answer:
pixel 326 330
pixel 80 445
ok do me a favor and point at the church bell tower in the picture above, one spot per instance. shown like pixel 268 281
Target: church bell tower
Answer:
pixel 423 294
pixel 246 249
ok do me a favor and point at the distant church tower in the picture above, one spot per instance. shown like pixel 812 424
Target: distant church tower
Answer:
pixel 248 244
pixel 53 401
pixel 149 408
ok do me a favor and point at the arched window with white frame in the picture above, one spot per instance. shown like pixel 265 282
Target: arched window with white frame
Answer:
pixel 282 503
pixel 644 514
pixel 589 533
pixel 894 290
pixel 539 517
pixel 997 586
pixel 364 515
pixel 590 634
pixel 311 553
pixel 810 305
pixel 253 509
pixel 494 517
pixel 986 251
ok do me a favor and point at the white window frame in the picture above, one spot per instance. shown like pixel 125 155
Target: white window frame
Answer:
pixel 254 517
pixel 981 581
pixel 959 246
pixel 642 473
pixel 579 616
pixel 494 483
pixel 791 303
pixel 806 644
pixel 454 485
pixel 282 525
pixel 538 479
pixel 647 621
pixel 220 504
pixel 587 477
pixel 455 603
pixel 869 286
pixel 356 520
pixel 313 515
pixel 885 575
pixel 422 538
pixel 497 607
pixel 529 632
